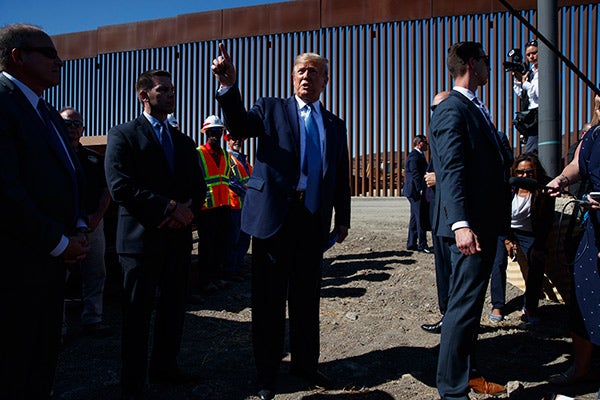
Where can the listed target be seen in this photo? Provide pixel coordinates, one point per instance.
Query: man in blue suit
(301, 174)
(153, 174)
(414, 190)
(472, 208)
(43, 220)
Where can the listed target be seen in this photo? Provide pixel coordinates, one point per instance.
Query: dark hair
(459, 55)
(531, 43)
(540, 173)
(16, 36)
(419, 139)
(146, 81)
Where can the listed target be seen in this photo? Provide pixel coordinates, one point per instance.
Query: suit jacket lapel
(292, 115)
(329, 138)
(146, 129)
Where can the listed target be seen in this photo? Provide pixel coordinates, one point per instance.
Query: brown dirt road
(375, 296)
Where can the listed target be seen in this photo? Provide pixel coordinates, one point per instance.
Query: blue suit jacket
(470, 170)
(414, 175)
(37, 193)
(272, 186)
(141, 183)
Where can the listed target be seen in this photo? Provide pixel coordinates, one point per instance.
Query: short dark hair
(16, 36)
(145, 80)
(459, 55)
(418, 140)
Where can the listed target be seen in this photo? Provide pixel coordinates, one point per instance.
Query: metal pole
(549, 145)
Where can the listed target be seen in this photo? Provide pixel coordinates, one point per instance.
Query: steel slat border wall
(383, 77)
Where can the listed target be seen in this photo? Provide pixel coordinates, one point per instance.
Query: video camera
(516, 63)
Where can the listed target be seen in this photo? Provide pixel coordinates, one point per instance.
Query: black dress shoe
(411, 248)
(425, 250)
(433, 328)
(316, 378)
(172, 376)
(266, 394)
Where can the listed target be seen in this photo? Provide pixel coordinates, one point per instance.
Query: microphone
(525, 183)
(530, 184)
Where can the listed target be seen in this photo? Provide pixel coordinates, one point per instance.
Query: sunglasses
(69, 122)
(433, 107)
(48, 52)
(532, 43)
(520, 172)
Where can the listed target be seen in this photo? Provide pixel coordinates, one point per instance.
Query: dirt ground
(375, 296)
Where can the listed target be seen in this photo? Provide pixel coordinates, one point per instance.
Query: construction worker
(239, 242)
(214, 220)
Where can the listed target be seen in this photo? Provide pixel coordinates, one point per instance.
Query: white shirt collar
(465, 92)
(316, 105)
(31, 96)
(153, 121)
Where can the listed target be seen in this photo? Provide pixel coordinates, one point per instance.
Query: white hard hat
(212, 122)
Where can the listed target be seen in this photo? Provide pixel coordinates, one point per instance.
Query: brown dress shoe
(480, 385)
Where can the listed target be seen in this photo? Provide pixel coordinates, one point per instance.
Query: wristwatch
(171, 206)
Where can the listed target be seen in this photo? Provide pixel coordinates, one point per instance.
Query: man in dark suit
(40, 198)
(472, 208)
(154, 175)
(414, 190)
(300, 175)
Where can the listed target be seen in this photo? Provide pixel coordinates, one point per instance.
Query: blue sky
(65, 16)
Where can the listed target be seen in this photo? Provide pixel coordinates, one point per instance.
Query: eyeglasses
(48, 52)
(69, 122)
(531, 43)
(214, 131)
(520, 172)
(433, 107)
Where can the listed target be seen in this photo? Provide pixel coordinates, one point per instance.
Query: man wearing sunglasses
(42, 216)
(471, 211)
(97, 200)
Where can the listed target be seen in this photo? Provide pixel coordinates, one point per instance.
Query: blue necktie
(54, 140)
(59, 148)
(312, 165)
(165, 142)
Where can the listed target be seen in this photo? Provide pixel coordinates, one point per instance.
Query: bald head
(438, 98)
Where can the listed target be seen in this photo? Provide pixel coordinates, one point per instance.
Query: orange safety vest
(238, 170)
(216, 178)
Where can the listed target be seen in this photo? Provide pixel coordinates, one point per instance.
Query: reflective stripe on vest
(216, 178)
(238, 170)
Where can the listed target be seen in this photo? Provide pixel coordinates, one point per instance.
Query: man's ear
(16, 55)
(143, 96)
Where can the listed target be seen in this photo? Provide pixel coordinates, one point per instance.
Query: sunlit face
(236, 145)
(525, 170)
(160, 99)
(74, 123)
(531, 54)
(310, 80)
(38, 63)
(481, 68)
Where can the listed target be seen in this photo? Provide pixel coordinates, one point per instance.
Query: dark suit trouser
(443, 269)
(417, 234)
(287, 266)
(31, 317)
(468, 284)
(213, 240)
(146, 278)
(498, 281)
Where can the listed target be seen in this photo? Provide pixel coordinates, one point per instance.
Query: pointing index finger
(223, 51)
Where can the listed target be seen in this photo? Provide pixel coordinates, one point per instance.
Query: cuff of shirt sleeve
(62, 246)
(459, 224)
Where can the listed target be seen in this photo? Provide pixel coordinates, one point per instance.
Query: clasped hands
(77, 248)
(181, 217)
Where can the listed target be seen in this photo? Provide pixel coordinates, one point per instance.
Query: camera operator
(525, 85)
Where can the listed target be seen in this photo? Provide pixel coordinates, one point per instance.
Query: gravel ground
(375, 296)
